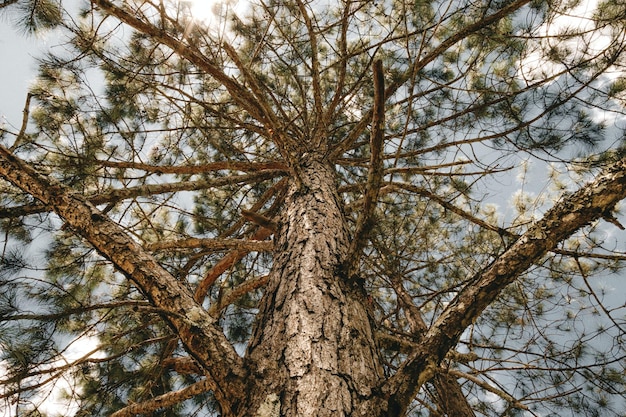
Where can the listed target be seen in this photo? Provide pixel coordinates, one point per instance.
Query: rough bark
(313, 347)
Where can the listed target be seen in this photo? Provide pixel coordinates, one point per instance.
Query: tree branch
(450, 397)
(449, 206)
(230, 296)
(423, 62)
(147, 190)
(196, 169)
(376, 169)
(238, 92)
(214, 244)
(487, 387)
(590, 203)
(197, 330)
(25, 116)
(315, 76)
(7, 3)
(225, 263)
(165, 400)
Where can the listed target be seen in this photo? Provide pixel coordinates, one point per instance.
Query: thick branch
(230, 296)
(197, 330)
(224, 264)
(182, 365)
(592, 202)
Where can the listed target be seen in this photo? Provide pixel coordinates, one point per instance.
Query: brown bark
(313, 348)
(450, 398)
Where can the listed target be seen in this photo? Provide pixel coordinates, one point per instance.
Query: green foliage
(138, 127)
(32, 16)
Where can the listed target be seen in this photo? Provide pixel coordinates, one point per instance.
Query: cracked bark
(313, 347)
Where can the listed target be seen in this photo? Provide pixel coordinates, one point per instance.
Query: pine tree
(288, 210)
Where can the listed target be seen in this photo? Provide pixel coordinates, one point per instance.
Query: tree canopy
(316, 208)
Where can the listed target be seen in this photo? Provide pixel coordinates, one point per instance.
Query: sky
(17, 72)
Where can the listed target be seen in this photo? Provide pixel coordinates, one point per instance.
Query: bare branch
(213, 244)
(238, 92)
(196, 169)
(224, 264)
(315, 73)
(259, 219)
(423, 62)
(449, 206)
(146, 190)
(515, 403)
(26, 114)
(237, 292)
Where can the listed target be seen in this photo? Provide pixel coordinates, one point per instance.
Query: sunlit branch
(212, 244)
(166, 400)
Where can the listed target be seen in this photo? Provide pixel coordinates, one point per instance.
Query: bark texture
(313, 347)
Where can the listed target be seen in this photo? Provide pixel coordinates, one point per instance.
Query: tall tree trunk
(313, 349)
